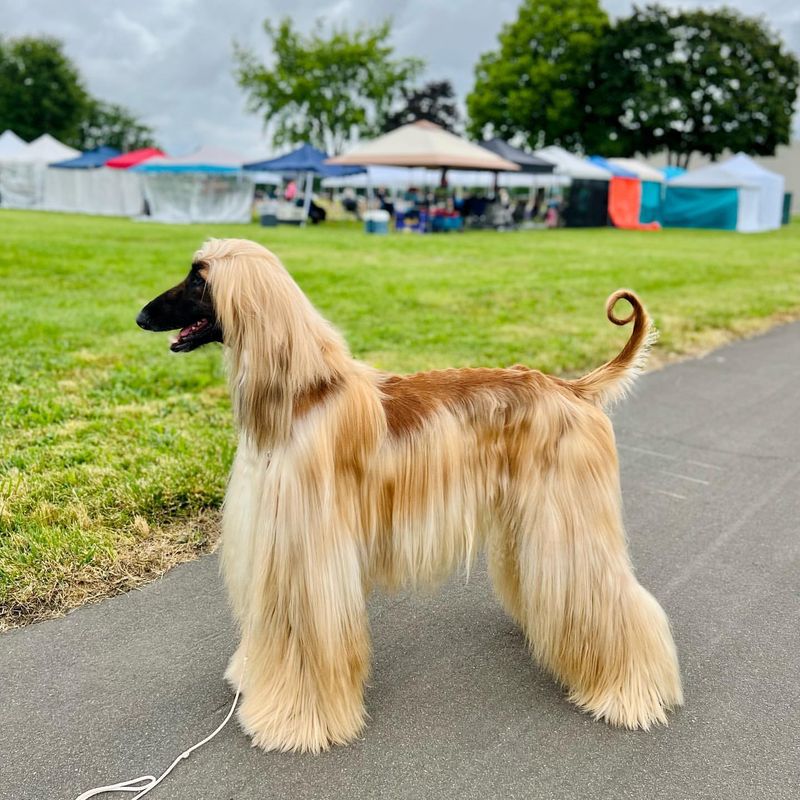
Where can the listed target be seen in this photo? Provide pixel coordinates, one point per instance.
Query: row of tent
(210, 184)
(736, 194)
(216, 185)
(206, 186)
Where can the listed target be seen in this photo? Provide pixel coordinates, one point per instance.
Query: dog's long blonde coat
(346, 477)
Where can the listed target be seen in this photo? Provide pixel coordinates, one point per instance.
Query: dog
(347, 478)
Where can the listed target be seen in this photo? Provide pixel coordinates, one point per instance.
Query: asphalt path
(710, 453)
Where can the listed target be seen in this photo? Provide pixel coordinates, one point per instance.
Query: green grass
(107, 440)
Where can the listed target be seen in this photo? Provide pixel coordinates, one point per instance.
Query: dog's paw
(638, 705)
(303, 732)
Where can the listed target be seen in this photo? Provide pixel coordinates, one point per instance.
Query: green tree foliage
(40, 90)
(113, 126)
(435, 101)
(694, 82)
(535, 85)
(322, 89)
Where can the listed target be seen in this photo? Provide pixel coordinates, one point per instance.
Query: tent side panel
(21, 184)
(587, 204)
(198, 197)
(691, 207)
(748, 220)
(652, 200)
(624, 204)
(107, 192)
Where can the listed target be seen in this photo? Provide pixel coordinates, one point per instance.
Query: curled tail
(609, 383)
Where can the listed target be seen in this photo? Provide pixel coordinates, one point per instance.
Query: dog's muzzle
(143, 320)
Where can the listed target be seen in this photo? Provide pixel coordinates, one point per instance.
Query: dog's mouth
(194, 335)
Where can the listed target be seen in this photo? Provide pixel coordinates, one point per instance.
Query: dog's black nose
(143, 320)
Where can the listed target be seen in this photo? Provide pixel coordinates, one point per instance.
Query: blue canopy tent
(306, 160)
(91, 159)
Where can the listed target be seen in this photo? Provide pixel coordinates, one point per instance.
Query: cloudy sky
(170, 60)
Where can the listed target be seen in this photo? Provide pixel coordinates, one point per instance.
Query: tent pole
(307, 196)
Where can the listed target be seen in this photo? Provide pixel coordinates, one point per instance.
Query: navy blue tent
(91, 159)
(304, 159)
(527, 162)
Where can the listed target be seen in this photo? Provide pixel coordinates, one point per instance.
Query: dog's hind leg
(587, 618)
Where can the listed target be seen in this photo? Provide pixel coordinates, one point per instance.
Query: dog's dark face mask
(189, 307)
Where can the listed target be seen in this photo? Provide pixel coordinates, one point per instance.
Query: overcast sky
(170, 60)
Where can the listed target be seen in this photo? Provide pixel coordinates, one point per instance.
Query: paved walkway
(711, 474)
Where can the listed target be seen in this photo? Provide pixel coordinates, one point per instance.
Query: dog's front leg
(306, 640)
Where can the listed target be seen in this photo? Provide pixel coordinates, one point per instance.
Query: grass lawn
(114, 452)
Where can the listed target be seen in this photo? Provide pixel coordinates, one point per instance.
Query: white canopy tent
(771, 187)
(10, 144)
(103, 191)
(572, 166)
(207, 185)
(759, 191)
(22, 172)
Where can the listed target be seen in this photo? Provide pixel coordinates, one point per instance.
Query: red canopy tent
(127, 160)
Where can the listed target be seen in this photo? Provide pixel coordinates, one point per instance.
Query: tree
(40, 90)
(535, 85)
(113, 126)
(324, 89)
(434, 101)
(694, 82)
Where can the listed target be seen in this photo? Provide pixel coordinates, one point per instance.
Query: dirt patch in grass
(145, 559)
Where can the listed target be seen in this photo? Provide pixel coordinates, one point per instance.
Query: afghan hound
(347, 478)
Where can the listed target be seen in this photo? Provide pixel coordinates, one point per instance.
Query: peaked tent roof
(713, 176)
(91, 159)
(744, 165)
(127, 160)
(44, 150)
(10, 143)
(305, 159)
(204, 159)
(571, 165)
(526, 161)
(642, 171)
(423, 144)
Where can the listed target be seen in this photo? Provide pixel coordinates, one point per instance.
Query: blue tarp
(304, 159)
(617, 172)
(692, 207)
(651, 207)
(198, 167)
(91, 159)
(672, 172)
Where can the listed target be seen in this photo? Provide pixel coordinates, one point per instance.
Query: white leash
(146, 783)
